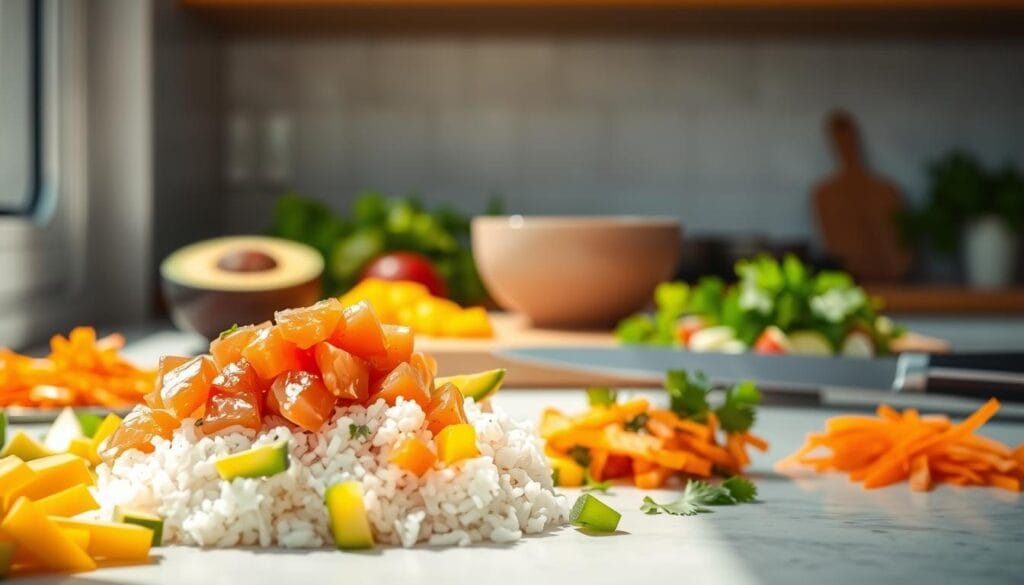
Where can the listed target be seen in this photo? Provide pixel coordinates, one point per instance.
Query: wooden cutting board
(458, 356)
(856, 211)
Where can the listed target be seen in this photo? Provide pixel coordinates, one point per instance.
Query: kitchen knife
(975, 375)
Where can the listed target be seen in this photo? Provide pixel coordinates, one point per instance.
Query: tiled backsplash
(726, 134)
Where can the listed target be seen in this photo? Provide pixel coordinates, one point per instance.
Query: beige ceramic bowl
(574, 271)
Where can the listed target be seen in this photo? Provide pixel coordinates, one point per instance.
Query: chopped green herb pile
(358, 431)
(785, 294)
(698, 495)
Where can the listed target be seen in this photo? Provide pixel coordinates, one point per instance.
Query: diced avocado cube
(349, 524)
(257, 462)
(3, 428)
(478, 386)
(89, 421)
(144, 519)
(590, 512)
(24, 447)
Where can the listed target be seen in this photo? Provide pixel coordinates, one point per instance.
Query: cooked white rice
(499, 496)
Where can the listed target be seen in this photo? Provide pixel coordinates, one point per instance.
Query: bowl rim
(519, 221)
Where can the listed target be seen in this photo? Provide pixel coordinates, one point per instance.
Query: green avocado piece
(257, 462)
(349, 524)
(478, 386)
(3, 428)
(146, 520)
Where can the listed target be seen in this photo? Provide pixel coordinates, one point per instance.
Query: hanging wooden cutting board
(856, 211)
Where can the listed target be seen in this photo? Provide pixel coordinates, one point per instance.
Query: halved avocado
(211, 285)
(478, 386)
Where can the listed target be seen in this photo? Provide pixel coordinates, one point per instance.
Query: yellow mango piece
(69, 502)
(112, 540)
(24, 446)
(40, 536)
(106, 428)
(471, 322)
(53, 474)
(26, 560)
(14, 474)
(83, 447)
(457, 442)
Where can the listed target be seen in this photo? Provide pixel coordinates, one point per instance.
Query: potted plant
(973, 211)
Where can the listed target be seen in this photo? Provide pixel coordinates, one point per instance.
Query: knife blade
(999, 375)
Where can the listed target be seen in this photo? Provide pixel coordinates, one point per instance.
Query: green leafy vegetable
(688, 396)
(737, 413)
(234, 327)
(741, 489)
(378, 224)
(698, 495)
(358, 431)
(89, 422)
(637, 423)
(786, 294)
(601, 396)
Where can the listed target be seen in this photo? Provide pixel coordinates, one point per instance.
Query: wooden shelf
(949, 299)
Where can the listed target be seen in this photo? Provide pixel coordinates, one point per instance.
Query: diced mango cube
(83, 447)
(566, 472)
(41, 537)
(24, 446)
(413, 455)
(70, 502)
(106, 428)
(14, 474)
(457, 442)
(112, 540)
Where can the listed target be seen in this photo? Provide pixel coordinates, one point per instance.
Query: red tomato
(406, 266)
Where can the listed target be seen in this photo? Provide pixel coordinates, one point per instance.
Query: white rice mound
(504, 493)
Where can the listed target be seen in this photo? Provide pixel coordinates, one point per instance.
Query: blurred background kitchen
(130, 128)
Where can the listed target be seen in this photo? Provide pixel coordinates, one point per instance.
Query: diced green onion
(590, 512)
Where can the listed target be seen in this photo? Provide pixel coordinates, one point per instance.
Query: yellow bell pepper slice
(53, 474)
(457, 442)
(112, 540)
(41, 537)
(70, 502)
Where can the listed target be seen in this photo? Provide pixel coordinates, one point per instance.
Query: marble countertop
(811, 529)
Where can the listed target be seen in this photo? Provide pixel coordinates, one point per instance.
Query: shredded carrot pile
(79, 371)
(662, 446)
(924, 450)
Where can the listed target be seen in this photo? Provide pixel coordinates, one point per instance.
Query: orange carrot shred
(924, 450)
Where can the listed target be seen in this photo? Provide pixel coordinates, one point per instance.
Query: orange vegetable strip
(920, 474)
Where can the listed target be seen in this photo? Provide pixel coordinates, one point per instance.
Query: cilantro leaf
(358, 431)
(234, 327)
(678, 507)
(601, 396)
(737, 414)
(698, 495)
(741, 489)
(592, 485)
(688, 397)
(637, 423)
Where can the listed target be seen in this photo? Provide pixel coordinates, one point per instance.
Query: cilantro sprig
(699, 495)
(358, 431)
(688, 398)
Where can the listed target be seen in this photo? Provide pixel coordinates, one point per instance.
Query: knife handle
(997, 362)
(981, 384)
(977, 375)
